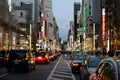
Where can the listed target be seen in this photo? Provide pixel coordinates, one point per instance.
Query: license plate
(16, 62)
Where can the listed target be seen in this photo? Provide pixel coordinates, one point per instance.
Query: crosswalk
(61, 71)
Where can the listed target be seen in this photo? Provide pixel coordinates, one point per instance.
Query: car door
(105, 71)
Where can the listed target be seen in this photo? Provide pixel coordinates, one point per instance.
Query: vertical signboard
(103, 27)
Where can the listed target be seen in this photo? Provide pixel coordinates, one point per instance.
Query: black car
(91, 63)
(20, 59)
(2, 60)
(77, 61)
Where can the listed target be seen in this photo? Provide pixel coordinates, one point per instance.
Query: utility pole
(30, 35)
(93, 36)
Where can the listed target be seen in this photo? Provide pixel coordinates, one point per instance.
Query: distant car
(42, 57)
(76, 62)
(74, 53)
(91, 63)
(20, 59)
(108, 69)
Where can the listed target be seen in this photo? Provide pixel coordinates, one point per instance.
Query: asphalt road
(58, 69)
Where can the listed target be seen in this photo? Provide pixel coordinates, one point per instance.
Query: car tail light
(27, 57)
(39, 57)
(74, 64)
(7, 57)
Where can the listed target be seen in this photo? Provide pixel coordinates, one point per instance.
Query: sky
(63, 10)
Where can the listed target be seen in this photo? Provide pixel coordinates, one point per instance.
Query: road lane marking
(56, 79)
(60, 75)
(70, 69)
(3, 75)
(50, 76)
(60, 71)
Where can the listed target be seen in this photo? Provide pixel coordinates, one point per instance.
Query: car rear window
(40, 54)
(94, 62)
(79, 57)
(17, 54)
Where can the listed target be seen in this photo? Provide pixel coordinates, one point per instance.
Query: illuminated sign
(103, 25)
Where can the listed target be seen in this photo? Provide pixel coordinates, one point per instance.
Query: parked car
(91, 63)
(20, 59)
(76, 62)
(2, 60)
(42, 57)
(108, 69)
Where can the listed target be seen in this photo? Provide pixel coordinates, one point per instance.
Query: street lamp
(93, 36)
(30, 35)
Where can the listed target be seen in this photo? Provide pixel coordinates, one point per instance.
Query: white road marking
(60, 75)
(50, 76)
(56, 79)
(70, 69)
(62, 72)
(3, 75)
(57, 72)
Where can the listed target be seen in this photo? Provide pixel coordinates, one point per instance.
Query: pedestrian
(104, 52)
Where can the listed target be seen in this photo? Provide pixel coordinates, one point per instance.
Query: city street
(58, 69)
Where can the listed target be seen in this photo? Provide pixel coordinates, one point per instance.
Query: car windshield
(18, 54)
(94, 62)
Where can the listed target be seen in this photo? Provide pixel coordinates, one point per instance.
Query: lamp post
(30, 35)
(93, 36)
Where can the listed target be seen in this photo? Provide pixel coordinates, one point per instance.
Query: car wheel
(33, 67)
(28, 68)
(9, 69)
(72, 71)
(81, 76)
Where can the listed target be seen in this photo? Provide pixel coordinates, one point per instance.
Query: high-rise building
(76, 26)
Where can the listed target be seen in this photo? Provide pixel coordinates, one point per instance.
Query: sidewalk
(3, 70)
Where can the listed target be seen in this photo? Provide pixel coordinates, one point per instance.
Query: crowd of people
(105, 53)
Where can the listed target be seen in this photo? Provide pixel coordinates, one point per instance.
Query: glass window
(18, 54)
(94, 62)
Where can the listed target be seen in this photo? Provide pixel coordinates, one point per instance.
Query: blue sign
(103, 37)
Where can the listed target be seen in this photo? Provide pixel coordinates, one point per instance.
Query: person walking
(104, 52)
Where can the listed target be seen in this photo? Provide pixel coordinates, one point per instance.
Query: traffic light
(84, 28)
